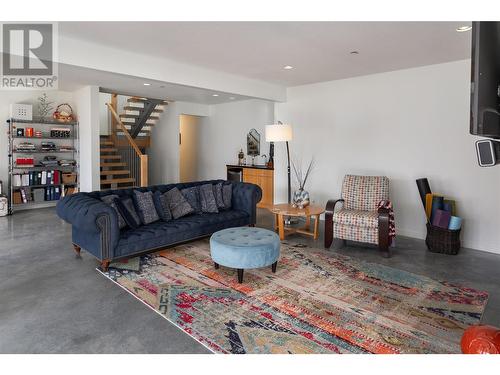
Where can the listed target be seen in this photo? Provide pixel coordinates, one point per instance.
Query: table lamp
(281, 133)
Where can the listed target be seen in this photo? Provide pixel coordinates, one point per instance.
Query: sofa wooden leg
(216, 265)
(77, 250)
(105, 265)
(251, 225)
(274, 266)
(240, 275)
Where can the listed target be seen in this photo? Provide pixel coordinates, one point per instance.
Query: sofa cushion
(207, 197)
(127, 210)
(177, 204)
(356, 218)
(161, 233)
(110, 199)
(145, 207)
(218, 196)
(364, 192)
(192, 195)
(227, 195)
(161, 204)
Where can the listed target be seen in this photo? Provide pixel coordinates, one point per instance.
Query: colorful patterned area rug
(316, 302)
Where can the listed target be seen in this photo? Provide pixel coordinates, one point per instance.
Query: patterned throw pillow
(192, 195)
(177, 204)
(127, 209)
(218, 195)
(161, 205)
(110, 200)
(207, 197)
(146, 206)
(227, 195)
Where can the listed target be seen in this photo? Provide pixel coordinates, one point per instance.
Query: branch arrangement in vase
(301, 197)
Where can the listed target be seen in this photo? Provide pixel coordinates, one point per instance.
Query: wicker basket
(440, 240)
(69, 178)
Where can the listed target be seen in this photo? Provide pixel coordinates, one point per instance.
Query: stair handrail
(124, 130)
(143, 157)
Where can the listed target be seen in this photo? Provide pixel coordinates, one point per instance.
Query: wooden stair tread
(143, 100)
(110, 157)
(114, 172)
(133, 123)
(108, 149)
(117, 181)
(132, 108)
(107, 143)
(117, 164)
(126, 115)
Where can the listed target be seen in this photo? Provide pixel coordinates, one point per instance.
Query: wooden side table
(280, 211)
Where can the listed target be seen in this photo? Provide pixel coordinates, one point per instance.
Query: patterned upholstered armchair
(360, 218)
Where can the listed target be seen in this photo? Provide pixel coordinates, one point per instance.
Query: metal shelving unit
(70, 148)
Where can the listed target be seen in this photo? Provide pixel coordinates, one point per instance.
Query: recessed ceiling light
(231, 98)
(147, 84)
(354, 52)
(162, 86)
(288, 67)
(462, 29)
(215, 94)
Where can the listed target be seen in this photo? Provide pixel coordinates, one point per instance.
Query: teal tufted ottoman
(244, 248)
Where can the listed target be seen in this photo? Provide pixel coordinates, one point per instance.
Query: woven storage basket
(440, 240)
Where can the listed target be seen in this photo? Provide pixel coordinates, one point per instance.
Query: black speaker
(488, 152)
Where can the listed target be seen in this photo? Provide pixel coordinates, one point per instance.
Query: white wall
(8, 97)
(87, 107)
(164, 150)
(404, 124)
(104, 114)
(224, 133)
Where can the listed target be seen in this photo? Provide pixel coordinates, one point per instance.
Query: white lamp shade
(279, 133)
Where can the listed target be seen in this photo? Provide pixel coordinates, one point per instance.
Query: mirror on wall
(253, 143)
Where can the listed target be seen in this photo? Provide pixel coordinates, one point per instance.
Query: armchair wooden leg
(77, 250)
(328, 229)
(105, 265)
(383, 234)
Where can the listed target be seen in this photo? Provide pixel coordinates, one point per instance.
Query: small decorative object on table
(301, 197)
(241, 156)
(64, 113)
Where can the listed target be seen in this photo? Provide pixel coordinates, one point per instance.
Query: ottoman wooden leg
(216, 265)
(273, 267)
(240, 275)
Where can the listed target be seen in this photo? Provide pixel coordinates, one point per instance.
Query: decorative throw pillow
(177, 204)
(146, 206)
(161, 205)
(110, 200)
(218, 195)
(192, 195)
(227, 195)
(127, 209)
(207, 198)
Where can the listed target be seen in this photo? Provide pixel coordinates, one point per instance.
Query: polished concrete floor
(52, 302)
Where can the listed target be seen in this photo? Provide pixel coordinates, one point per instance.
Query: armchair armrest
(95, 224)
(329, 210)
(383, 231)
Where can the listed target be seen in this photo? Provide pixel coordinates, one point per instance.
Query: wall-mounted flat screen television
(485, 80)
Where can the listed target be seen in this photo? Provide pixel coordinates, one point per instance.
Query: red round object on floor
(481, 339)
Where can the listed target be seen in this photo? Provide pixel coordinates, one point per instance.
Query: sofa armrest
(95, 223)
(329, 210)
(245, 197)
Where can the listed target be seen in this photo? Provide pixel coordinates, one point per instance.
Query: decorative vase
(300, 198)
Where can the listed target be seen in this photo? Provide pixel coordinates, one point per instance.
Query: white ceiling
(318, 51)
(73, 77)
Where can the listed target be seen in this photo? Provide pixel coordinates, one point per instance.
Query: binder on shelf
(16, 181)
(44, 178)
(57, 193)
(39, 178)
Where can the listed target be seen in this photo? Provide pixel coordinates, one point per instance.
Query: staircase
(114, 172)
(123, 152)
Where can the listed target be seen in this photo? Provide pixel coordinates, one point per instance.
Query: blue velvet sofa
(95, 223)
